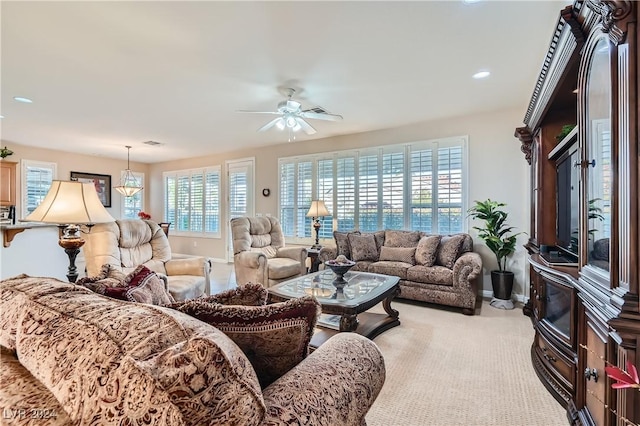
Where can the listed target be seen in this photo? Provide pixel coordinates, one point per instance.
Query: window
(417, 186)
(192, 201)
(36, 180)
(131, 206)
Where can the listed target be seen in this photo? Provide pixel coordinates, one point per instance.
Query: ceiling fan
(293, 118)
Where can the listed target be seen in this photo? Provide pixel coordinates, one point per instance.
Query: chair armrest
(334, 385)
(466, 269)
(250, 259)
(295, 253)
(188, 266)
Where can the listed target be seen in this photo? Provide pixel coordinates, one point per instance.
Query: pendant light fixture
(129, 185)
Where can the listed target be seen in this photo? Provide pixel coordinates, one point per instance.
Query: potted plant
(498, 236)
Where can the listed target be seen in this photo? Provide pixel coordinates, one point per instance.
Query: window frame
(203, 171)
(24, 166)
(404, 161)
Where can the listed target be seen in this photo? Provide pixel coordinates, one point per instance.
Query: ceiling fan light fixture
(291, 121)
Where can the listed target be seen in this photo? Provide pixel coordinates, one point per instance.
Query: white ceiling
(103, 75)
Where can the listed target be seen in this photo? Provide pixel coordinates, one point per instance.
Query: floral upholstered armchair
(259, 252)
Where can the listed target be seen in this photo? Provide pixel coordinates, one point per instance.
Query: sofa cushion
(386, 267)
(394, 238)
(249, 294)
(398, 254)
(283, 267)
(449, 250)
(342, 243)
(363, 247)
(274, 337)
(109, 281)
(430, 275)
(427, 250)
(149, 364)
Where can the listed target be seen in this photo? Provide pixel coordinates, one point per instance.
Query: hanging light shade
(129, 185)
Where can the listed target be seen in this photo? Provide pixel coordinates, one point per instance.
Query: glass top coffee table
(345, 309)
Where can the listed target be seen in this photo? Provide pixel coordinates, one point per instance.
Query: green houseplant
(500, 239)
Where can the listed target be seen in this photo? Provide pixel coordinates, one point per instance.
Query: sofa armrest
(335, 385)
(327, 253)
(466, 270)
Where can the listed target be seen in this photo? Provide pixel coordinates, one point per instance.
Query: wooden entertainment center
(584, 246)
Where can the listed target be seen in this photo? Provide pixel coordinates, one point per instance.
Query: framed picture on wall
(102, 184)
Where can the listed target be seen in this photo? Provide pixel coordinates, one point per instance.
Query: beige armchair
(259, 252)
(128, 243)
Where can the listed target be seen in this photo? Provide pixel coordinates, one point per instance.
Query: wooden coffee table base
(368, 324)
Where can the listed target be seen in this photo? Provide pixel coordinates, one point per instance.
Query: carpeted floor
(445, 368)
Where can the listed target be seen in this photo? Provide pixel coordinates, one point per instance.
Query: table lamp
(316, 211)
(70, 204)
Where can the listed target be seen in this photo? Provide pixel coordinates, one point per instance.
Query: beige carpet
(445, 368)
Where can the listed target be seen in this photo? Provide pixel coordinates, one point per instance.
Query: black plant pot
(502, 283)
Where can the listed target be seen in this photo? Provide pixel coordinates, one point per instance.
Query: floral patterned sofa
(71, 356)
(441, 269)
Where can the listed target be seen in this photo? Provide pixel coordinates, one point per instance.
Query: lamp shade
(318, 209)
(69, 202)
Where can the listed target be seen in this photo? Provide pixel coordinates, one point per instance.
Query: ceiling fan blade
(306, 127)
(269, 124)
(258, 112)
(319, 116)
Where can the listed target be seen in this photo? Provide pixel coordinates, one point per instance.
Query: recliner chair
(260, 255)
(128, 243)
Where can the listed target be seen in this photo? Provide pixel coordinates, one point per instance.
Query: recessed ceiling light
(21, 99)
(471, 1)
(1, 116)
(481, 74)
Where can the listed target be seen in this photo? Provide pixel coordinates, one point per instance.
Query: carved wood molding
(611, 12)
(570, 16)
(526, 139)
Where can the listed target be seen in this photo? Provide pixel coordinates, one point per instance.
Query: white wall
(498, 171)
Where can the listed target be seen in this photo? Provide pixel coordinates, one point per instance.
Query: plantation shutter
(36, 181)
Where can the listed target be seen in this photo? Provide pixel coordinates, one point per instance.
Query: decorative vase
(339, 269)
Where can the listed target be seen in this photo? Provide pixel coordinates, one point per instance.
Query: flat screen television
(567, 196)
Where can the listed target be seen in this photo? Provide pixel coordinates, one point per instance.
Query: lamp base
(71, 246)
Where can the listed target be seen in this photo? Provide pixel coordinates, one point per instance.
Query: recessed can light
(1, 116)
(481, 74)
(22, 99)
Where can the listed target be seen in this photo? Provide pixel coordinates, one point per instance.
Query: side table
(315, 262)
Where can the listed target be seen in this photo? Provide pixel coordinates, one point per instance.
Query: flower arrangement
(143, 215)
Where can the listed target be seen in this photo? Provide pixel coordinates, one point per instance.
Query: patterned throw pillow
(109, 282)
(145, 286)
(393, 238)
(363, 247)
(398, 254)
(274, 337)
(427, 249)
(342, 243)
(449, 250)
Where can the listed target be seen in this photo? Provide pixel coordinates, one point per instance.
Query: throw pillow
(249, 294)
(394, 238)
(449, 250)
(145, 286)
(342, 243)
(275, 337)
(398, 254)
(363, 247)
(427, 249)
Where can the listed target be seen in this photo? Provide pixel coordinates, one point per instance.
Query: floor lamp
(316, 211)
(70, 204)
